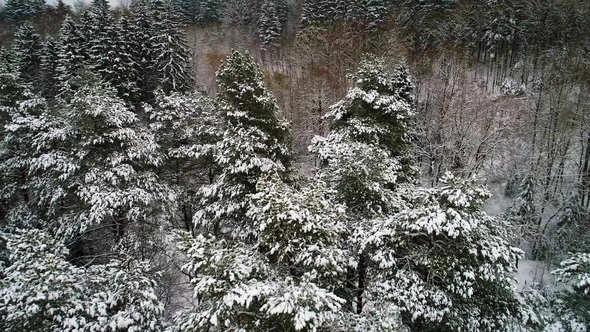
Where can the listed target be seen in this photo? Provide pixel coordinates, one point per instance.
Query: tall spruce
(28, 47)
(49, 72)
(171, 53)
(269, 26)
(72, 54)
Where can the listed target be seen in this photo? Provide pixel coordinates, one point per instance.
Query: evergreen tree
(416, 264)
(367, 153)
(22, 115)
(22, 9)
(255, 142)
(94, 165)
(42, 291)
(269, 26)
(284, 277)
(209, 11)
(318, 12)
(49, 72)
(276, 246)
(442, 262)
(12, 94)
(141, 46)
(171, 54)
(187, 127)
(71, 56)
(29, 48)
(574, 272)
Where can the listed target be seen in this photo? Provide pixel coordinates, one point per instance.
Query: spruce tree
(22, 113)
(208, 11)
(71, 55)
(269, 26)
(170, 51)
(139, 38)
(29, 49)
(94, 164)
(49, 72)
(20, 10)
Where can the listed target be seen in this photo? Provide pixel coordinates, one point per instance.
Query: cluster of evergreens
(336, 193)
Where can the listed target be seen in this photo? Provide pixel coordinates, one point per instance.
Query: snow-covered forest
(285, 165)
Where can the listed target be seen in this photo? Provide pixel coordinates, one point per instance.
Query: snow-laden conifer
(171, 53)
(187, 127)
(28, 47)
(287, 276)
(95, 163)
(254, 142)
(41, 291)
(442, 262)
(269, 26)
(49, 86)
(72, 54)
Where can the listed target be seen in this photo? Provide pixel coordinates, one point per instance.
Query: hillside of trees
(284, 165)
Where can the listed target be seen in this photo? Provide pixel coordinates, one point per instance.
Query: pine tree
(255, 141)
(365, 155)
(284, 278)
(416, 265)
(442, 262)
(186, 127)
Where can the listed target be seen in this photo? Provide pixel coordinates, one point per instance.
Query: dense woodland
(283, 165)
